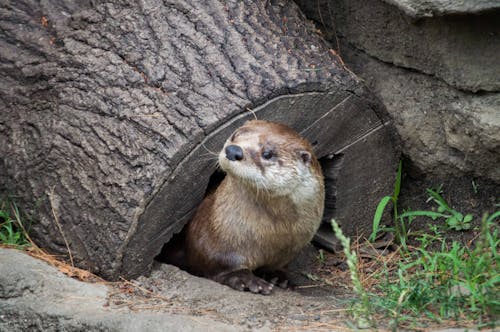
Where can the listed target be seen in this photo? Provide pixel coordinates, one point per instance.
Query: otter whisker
(208, 150)
(211, 161)
(208, 156)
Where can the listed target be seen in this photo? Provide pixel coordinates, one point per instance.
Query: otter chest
(279, 242)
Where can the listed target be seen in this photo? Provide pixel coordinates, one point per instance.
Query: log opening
(341, 130)
(331, 166)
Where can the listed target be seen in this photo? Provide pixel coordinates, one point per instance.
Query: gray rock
(460, 330)
(439, 78)
(444, 131)
(418, 8)
(34, 296)
(461, 50)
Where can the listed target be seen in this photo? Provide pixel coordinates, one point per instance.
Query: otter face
(269, 156)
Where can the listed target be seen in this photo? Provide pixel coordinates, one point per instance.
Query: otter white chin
(267, 208)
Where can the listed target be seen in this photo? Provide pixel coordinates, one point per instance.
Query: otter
(266, 209)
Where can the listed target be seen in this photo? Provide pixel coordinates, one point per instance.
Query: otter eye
(267, 154)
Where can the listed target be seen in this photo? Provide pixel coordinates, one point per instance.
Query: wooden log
(110, 113)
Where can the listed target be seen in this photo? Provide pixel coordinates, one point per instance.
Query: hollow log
(111, 113)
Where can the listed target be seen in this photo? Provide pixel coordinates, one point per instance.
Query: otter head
(270, 157)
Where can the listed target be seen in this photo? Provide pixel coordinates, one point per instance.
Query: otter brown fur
(267, 208)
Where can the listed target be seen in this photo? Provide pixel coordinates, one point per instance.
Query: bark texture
(110, 111)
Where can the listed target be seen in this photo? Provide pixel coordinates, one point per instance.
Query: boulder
(437, 72)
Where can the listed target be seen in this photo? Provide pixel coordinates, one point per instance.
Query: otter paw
(245, 280)
(278, 278)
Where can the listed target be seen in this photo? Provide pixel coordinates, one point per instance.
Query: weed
(399, 229)
(454, 282)
(440, 279)
(361, 310)
(321, 256)
(454, 220)
(12, 231)
(475, 187)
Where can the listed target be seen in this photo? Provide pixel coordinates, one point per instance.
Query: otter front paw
(245, 280)
(278, 278)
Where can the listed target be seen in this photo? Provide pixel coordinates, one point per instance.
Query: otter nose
(234, 152)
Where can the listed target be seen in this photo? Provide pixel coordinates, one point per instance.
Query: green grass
(453, 282)
(454, 220)
(12, 231)
(437, 280)
(398, 229)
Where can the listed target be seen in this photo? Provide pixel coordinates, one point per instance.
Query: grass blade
(378, 216)
(430, 214)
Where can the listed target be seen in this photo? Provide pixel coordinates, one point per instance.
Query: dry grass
(56, 261)
(64, 267)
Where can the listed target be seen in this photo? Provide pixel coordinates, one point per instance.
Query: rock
(437, 76)
(34, 296)
(461, 50)
(417, 8)
(444, 131)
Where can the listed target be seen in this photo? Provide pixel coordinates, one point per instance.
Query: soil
(319, 301)
(466, 195)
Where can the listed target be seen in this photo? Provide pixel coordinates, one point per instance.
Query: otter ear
(305, 156)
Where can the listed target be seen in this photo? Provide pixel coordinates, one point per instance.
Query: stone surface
(461, 50)
(439, 78)
(34, 296)
(418, 8)
(444, 131)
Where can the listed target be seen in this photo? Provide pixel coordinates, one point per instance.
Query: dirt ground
(464, 194)
(316, 304)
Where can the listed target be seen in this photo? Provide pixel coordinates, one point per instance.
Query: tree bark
(110, 113)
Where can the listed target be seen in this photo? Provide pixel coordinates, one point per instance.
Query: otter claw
(245, 280)
(277, 278)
